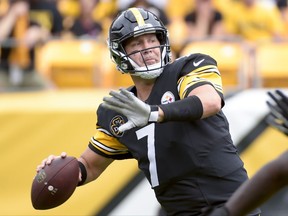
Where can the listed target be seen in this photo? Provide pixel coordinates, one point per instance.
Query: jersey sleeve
(105, 144)
(199, 69)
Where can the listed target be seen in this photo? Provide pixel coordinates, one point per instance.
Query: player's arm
(262, 186)
(201, 102)
(92, 165)
(206, 100)
(273, 176)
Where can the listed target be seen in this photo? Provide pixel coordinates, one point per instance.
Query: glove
(137, 112)
(278, 116)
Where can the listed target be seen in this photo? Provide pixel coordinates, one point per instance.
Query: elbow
(216, 106)
(211, 107)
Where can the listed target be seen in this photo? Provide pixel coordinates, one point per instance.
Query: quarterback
(170, 121)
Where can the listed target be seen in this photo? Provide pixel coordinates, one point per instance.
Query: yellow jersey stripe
(107, 143)
(206, 74)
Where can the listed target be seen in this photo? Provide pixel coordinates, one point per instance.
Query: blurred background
(55, 69)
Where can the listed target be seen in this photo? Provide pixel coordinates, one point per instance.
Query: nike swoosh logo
(196, 64)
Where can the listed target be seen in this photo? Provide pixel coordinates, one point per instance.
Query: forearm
(187, 109)
(94, 165)
(202, 102)
(266, 182)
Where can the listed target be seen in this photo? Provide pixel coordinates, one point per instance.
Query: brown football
(55, 183)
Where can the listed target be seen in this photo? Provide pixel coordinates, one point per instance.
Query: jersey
(168, 151)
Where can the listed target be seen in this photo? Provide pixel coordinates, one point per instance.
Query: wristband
(83, 173)
(187, 109)
(154, 114)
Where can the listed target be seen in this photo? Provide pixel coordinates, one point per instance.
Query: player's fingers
(274, 110)
(50, 159)
(112, 101)
(39, 167)
(127, 126)
(112, 107)
(119, 96)
(116, 102)
(63, 155)
(273, 97)
(42, 165)
(127, 93)
(282, 95)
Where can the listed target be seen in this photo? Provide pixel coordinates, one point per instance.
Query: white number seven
(149, 132)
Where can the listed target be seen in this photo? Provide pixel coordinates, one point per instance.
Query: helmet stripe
(138, 16)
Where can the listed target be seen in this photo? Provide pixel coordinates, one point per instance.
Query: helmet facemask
(147, 71)
(124, 62)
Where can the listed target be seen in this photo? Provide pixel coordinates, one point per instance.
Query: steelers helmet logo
(115, 123)
(167, 98)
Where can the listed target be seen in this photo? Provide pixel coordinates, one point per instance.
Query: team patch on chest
(168, 97)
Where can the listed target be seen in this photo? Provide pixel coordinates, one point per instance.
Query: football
(55, 183)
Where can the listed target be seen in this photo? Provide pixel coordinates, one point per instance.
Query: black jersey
(168, 151)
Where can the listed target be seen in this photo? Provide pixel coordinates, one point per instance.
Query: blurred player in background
(170, 121)
(269, 179)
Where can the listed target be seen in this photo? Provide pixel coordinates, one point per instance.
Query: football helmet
(134, 22)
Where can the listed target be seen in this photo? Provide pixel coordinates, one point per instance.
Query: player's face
(145, 49)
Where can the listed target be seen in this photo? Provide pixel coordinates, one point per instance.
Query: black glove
(278, 116)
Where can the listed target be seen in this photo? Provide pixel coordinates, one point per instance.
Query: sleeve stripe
(104, 131)
(209, 70)
(106, 148)
(206, 74)
(205, 68)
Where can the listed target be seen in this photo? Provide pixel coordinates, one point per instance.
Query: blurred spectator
(151, 7)
(176, 11)
(25, 24)
(124, 4)
(283, 7)
(254, 21)
(46, 14)
(101, 15)
(84, 24)
(204, 21)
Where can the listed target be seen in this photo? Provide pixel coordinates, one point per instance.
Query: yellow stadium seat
(111, 76)
(79, 63)
(271, 64)
(230, 57)
(72, 63)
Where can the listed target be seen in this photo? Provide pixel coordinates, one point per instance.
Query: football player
(170, 120)
(272, 177)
